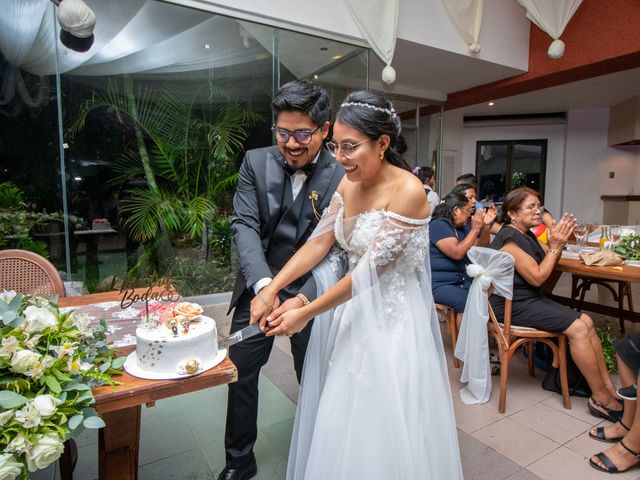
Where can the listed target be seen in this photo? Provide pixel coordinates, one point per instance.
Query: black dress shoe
(239, 473)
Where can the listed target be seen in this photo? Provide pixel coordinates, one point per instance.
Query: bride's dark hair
(372, 114)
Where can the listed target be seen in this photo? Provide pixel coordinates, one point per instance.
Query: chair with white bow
(492, 273)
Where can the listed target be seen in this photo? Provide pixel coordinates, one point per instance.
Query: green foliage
(10, 196)
(15, 228)
(192, 135)
(629, 247)
(196, 277)
(606, 339)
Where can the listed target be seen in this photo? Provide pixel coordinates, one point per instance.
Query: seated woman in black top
(534, 263)
(451, 236)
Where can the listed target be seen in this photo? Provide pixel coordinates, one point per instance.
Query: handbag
(578, 386)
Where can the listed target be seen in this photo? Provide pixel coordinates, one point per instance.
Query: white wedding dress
(375, 401)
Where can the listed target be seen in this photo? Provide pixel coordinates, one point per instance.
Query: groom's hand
(290, 304)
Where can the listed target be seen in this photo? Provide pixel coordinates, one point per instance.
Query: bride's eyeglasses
(348, 149)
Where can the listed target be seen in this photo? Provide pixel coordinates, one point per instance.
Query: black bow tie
(307, 169)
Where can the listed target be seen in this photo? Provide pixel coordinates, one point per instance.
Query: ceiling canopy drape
(552, 16)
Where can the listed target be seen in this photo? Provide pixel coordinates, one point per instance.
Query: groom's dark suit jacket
(268, 226)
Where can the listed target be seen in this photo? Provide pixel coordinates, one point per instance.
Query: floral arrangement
(49, 361)
(629, 247)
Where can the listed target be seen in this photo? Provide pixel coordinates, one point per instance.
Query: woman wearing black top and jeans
(534, 263)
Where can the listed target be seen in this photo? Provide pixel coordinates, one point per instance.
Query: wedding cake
(175, 341)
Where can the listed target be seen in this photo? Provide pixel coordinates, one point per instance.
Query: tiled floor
(182, 437)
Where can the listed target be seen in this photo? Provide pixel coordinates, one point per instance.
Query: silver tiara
(390, 112)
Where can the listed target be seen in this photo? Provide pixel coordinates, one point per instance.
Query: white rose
(46, 405)
(29, 416)
(46, 450)
(8, 347)
(24, 361)
(7, 295)
(5, 417)
(19, 444)
(9, 467)
(38, 318)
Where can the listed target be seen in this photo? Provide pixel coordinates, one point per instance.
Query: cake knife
(240, 335)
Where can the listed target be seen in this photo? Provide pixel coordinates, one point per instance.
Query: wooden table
(622, 273)
(120, 406)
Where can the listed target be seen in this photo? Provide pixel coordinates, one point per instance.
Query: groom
(281, 192)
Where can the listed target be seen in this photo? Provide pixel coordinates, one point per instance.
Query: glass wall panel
(155, 123)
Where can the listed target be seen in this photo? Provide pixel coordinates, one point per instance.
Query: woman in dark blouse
(451, 235)
(534, 263)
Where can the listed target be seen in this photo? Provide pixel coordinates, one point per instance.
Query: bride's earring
(381, 155)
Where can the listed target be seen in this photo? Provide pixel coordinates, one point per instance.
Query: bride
(374, 400)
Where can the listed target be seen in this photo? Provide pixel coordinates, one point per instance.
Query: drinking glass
(614, 232)
(580, 231)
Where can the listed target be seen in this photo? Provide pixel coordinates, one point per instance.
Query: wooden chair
(450, 316)
(510, 338)
(29, 273)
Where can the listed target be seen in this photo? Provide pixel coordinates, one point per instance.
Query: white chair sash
(488, 267)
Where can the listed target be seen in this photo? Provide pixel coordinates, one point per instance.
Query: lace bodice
(397, 244)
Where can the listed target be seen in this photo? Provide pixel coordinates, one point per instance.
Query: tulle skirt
(375, 401)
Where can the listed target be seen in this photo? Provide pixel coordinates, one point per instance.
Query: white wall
(504, 35)
(589, 162)
(580, 146)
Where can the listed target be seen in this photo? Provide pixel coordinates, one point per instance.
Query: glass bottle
(604, 236)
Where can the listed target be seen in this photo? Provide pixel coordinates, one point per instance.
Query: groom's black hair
(302, 96)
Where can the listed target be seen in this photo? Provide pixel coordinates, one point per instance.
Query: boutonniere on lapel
(313, 196)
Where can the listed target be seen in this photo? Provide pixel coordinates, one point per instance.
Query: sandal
(606, 412)
(609, 466)
(601, 437)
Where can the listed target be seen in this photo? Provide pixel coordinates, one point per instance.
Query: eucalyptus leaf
(118, 362)
(75, 421)
(11, 399)
(93, 422)
(52, 383)
(89, 412)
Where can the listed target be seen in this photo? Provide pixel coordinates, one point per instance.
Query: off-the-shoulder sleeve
(401, 241)
(327, 223)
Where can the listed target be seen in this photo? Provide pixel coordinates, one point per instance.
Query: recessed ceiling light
(337, 57)
(491, 104)
(315, 77)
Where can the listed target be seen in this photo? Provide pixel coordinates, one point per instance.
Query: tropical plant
(49, 361)
(10, 196)
(187, 138)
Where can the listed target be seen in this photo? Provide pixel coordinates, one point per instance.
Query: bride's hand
(288, 323)
(262, 305)
(287, 305)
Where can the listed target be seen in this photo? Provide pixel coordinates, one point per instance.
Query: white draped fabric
(377, 20)
(552, 16)
(375, 389)
(488, 267)
(466, 15)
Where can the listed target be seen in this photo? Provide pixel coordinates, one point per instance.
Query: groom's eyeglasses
(303, 136)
